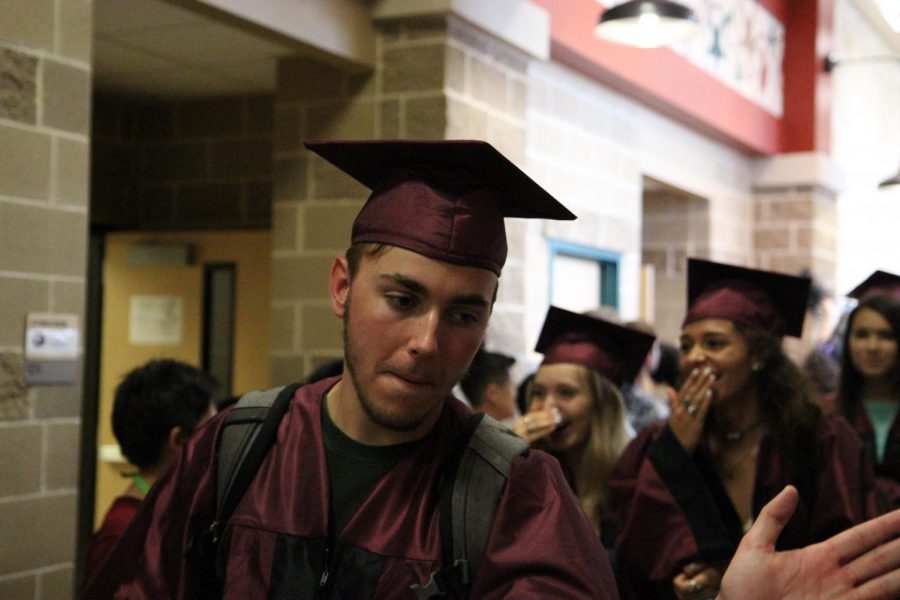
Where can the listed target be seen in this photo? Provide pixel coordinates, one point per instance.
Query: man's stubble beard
(377, 415)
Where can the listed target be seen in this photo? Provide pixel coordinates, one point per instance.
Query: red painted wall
(672, 85)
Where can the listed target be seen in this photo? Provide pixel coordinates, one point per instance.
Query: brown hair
(786, 401)
(606, 439)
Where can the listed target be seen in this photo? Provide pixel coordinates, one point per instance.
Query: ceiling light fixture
(647, 23)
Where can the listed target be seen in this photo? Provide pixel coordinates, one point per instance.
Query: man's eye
(466, 318)
(401, 301)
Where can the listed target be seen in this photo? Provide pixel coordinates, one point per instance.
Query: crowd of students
(746, 483)
(673, 502)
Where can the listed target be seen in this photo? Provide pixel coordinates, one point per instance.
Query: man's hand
(861, 563)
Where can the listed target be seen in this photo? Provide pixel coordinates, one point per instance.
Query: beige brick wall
(675, 227)
(796, 228)
(595, 149)
(314, 203)
(44, 148)
(188, 164)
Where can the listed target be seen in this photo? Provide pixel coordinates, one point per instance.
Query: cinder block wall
(45, 75)
(796, 228)
(183, 164)
(418, 90)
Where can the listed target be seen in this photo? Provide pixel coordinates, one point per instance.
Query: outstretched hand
(862, 563)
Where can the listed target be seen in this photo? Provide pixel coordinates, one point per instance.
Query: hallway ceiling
(155, 48)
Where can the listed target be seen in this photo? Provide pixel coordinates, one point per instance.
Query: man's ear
(177, 437)
(339, 286)
(490, 394)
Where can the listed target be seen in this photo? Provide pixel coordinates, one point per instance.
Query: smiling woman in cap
(577, 412)
(742, 426)
(869, 390)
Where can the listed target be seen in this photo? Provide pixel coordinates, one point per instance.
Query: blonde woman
(576, 411)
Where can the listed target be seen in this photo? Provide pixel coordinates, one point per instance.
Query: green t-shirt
(354, 469)
(881, 414)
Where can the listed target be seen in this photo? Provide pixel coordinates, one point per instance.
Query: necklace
(739, 434)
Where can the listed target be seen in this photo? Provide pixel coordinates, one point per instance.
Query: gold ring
(691, 410)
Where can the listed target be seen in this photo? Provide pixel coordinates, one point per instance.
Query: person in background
(156, 408)
(742, 426)
(869, 392)
(654, 395)
(666, 371)
(641, 408)
(577, 411)
(522, 399)
(811, 351)
(489, 387)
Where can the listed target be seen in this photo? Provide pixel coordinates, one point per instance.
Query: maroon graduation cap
(614, 351)
(771, 302)
(444, 199)
(879, 282)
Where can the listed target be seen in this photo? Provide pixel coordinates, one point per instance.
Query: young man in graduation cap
(345, 504)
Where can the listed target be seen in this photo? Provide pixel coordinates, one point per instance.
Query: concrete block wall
(796, 228)
(314, 203)
(595, 148)
(487, 89)
(675, 226)
(185, 164)
(581, 140)
(45, 74)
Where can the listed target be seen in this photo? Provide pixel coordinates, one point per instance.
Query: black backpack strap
(249, 431)
(478, 467)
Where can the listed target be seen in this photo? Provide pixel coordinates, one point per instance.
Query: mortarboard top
(879, 282)
(614, 351)
(771, 302)
(444, 199)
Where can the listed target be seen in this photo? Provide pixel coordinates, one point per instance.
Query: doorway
(198, 297)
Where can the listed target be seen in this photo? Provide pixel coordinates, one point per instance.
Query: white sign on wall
(52, 348)
(155, 320)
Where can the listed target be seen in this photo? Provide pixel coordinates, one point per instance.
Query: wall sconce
(647, 23)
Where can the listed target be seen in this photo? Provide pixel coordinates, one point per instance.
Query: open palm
(861, 563)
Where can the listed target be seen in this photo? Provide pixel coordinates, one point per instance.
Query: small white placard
(51, 336)
(155, 320)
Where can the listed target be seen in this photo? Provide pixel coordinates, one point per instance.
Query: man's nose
(424, 338)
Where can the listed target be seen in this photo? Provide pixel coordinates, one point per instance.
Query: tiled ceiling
(151, 47)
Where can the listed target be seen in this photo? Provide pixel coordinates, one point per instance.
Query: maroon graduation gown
(888, 470)
(541, 544)
(671, 508)
(116, 521)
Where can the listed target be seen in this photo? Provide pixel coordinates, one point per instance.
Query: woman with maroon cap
(869, 391)
(576, 412)
(742, 426)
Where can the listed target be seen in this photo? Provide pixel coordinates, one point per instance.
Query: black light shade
(890, 182)
(647, 23)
